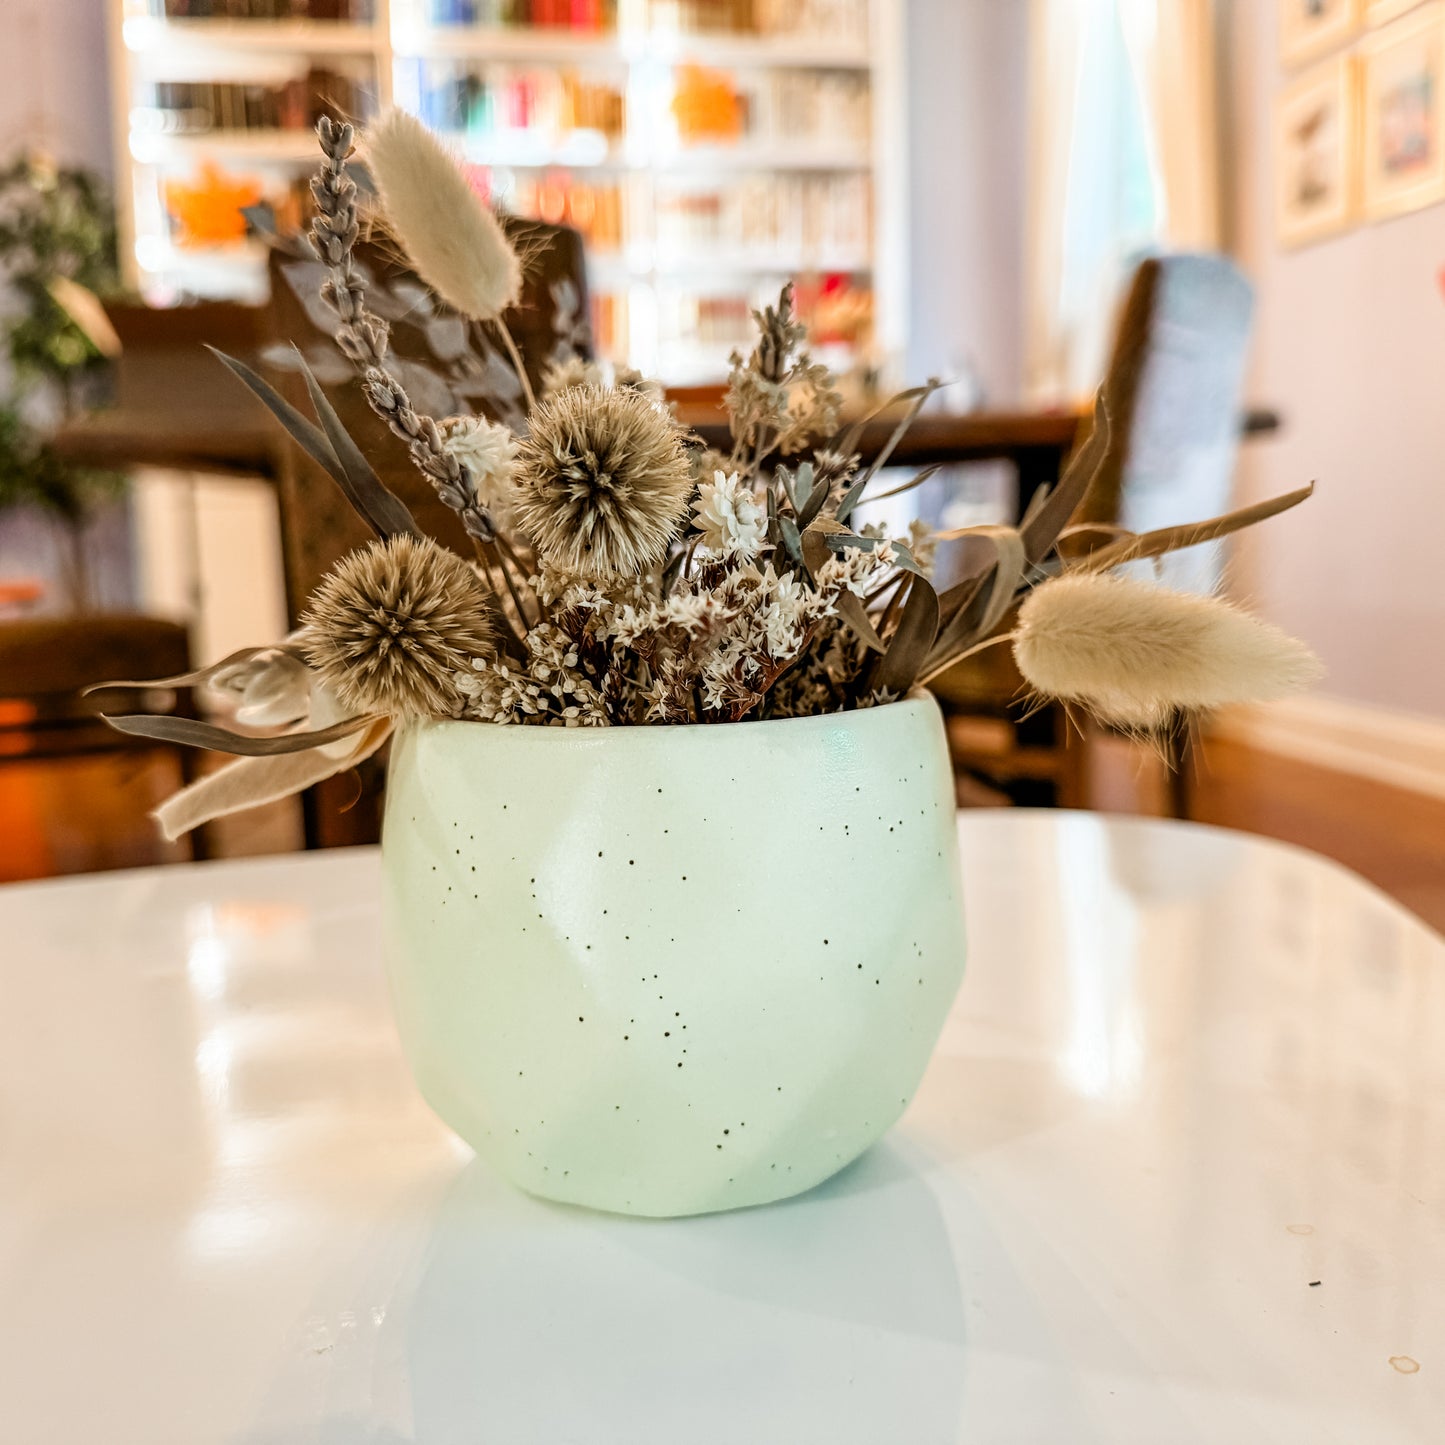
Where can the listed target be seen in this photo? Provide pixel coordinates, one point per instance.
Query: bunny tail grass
(452, 239)
(1138, 656)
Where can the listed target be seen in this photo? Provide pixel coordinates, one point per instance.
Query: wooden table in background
(1036, 442)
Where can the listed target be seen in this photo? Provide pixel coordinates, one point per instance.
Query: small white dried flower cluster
(552, 687)
(732, 521)
(488, 452)
(710, 650)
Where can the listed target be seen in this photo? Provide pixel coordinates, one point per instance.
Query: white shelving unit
(677, 300)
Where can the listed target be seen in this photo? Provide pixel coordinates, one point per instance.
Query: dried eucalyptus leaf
(803, 490)
(1052, 515)
(817, 498)
(1191, 534)
(195, 734)
(855, 614)
(792, 538)
(986, 543)
(898, 669)
(982, 612)
(784, 477)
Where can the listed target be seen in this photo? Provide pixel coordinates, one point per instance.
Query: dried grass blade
(381, 509)
(847, 444)
(1191, 534)
(305, 433)
(1041, 530)
(195, 734)
(854, 493)
(914, 481)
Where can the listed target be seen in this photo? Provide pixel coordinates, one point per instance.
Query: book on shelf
(197, 107)
(593, 15)
(356, 12)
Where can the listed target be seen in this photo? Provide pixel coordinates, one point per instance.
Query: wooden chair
(1173, 382)
(450, 367)
(47, 662)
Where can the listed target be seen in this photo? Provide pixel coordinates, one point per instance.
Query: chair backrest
(1175, 380)
(47, 662)
(449, 366)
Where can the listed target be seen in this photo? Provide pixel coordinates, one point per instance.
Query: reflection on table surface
(1190, 1074)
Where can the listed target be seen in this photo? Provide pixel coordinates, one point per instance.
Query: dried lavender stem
(365, 337)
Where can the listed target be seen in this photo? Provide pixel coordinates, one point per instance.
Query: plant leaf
(980, 614)
(851, 497)
(304, 432)
(792, 538)
(1190, 534)
(915, 481)
(190, 679)
(897, 670)
(195, 734)
(847, 444)
(1052, 515)
(381, 509)
(853, 612)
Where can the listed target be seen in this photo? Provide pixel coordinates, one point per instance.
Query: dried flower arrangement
(623, 574)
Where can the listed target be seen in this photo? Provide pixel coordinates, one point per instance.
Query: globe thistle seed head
(604, 482)
(393, 623)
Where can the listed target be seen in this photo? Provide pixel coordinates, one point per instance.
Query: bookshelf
(707, 149)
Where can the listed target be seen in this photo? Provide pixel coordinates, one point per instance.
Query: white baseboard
(1399, 749)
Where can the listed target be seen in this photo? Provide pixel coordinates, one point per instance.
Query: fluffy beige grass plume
(452, 239)
(1137, 655)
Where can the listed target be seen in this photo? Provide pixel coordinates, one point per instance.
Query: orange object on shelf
(706, 105)
(209, 211)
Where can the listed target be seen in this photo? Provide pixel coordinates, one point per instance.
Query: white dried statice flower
(786, 611)
(603, 482)
(732, 521)
(488, 452)
(855, 568)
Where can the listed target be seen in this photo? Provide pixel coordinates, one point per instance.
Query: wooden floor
(89, 815)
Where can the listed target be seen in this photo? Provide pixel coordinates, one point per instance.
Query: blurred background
(1235, 203)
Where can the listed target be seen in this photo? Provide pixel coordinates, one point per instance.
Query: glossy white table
(1189, 1074)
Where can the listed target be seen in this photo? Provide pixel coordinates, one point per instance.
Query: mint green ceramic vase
(668, 970)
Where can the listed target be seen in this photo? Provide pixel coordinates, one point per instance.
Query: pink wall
(1350, 347)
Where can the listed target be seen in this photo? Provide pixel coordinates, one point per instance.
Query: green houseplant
(57, 243)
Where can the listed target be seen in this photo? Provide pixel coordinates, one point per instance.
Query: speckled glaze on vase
(669, 970)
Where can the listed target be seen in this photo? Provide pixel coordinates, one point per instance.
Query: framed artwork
(1315, 153)
(1381, 12)
(1402, 102)
(1308, 28)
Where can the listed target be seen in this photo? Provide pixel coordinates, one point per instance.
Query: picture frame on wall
(1315, 154)
(1402, 114)
(1311, 28)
